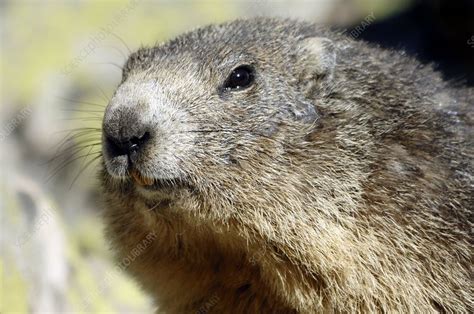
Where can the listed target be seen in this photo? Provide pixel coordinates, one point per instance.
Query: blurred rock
(34, 246)
(49, 268)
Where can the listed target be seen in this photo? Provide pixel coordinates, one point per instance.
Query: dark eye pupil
(240, 77)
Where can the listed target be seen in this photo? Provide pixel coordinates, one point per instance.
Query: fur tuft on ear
(319, 54)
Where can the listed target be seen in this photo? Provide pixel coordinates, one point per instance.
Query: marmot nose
(125, 145)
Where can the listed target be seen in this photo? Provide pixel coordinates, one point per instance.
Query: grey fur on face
(183, 105)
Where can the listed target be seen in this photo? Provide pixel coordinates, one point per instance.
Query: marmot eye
(240, 78)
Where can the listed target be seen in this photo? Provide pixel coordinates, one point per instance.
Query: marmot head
(305, 156)
(224, 109)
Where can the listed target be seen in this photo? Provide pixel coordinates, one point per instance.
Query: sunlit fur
(341, 181)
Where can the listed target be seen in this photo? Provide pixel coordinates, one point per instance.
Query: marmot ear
(319, 57)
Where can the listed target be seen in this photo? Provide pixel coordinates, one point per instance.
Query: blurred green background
(60, 61)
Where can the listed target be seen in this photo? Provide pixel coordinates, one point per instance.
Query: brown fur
(360, 201)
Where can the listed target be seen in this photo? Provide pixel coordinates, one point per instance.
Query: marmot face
(287, 168)
(188, 117)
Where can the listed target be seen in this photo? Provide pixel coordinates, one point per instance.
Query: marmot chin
(282, 167)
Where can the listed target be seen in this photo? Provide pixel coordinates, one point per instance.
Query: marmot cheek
(305, 112)
(269, 128)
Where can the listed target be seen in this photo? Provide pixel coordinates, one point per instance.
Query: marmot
(276, 166)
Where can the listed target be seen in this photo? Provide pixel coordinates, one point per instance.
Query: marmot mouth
(157, 184)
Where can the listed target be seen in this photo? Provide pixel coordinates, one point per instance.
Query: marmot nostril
(114, 147)
(137, 141)
(124, 146)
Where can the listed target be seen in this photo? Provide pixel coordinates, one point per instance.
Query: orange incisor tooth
(139, 179)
